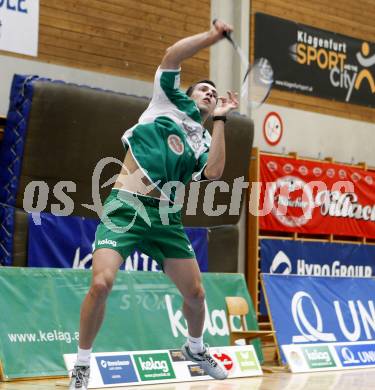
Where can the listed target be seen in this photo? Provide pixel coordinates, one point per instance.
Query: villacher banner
(316, 197)
(317, 62)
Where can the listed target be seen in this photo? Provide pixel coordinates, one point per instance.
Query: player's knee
(100, 288)
(196, 294)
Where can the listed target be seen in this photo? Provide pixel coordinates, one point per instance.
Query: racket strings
(259, 82)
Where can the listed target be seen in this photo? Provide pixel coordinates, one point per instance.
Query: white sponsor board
(329, 356)
(19, 26)
(114, 369)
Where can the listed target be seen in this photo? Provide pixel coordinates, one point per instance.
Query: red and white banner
(315, 197)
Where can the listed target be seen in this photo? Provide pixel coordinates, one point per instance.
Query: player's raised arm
(187, 47)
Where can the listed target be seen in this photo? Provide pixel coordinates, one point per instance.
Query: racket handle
(225, 33)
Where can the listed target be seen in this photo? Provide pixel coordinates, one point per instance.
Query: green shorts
(131, 221)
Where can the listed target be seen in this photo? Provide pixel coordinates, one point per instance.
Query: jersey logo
(194, 135)
(175, 144)
(176, 84)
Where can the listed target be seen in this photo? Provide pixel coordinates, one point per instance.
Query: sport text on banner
(317, 62)
(143, 313)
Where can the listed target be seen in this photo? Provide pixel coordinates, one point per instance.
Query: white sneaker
(80, 378)
(205, 361)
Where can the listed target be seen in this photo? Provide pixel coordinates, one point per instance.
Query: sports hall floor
(349, 380)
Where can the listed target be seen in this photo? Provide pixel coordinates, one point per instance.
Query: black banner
(317, 62)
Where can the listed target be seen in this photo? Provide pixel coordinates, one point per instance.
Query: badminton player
(168, 144)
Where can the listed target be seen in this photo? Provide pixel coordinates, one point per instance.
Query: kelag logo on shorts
(154, 366)
(318, 357)
(247, 361)
(116, 369)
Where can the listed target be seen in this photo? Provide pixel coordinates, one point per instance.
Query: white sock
(195, 344)
(83, 357)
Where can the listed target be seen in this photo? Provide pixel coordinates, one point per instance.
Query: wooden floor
(349, 380)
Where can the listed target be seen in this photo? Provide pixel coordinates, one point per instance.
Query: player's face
(205, 97)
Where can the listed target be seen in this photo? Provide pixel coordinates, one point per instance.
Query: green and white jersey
(169, 142)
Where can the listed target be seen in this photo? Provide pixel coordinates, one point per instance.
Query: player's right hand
(219, 28)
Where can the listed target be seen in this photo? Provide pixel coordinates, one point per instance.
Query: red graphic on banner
(225, 359)
(317, 198)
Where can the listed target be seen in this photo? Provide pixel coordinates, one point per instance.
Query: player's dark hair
(190, 90)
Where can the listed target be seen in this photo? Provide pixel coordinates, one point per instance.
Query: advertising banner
(315, 197)
(317, 62)
(313, 309)
(332, 356)
(19, 26)
(315, 259)
(164, 366)
(47, 249)
(40, 316)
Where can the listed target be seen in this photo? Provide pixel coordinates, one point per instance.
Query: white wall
(319, 136)
(11, 65)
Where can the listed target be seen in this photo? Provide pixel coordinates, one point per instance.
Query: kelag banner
(46, 248)
(313, 309)
(315, 197)
(115, 369)
(317, 62)
(40, 316)
(315, 258)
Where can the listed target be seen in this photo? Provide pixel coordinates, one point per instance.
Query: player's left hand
(226, 104)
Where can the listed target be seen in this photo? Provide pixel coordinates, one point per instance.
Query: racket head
(257, 83)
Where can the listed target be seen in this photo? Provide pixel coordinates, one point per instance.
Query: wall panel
(120, 37)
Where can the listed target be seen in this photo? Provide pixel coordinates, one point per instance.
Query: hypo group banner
(40, 316)
(315, 259)
(317, 62)
(67, 242)
(315, 197)
(313, 309)
(19, 26)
